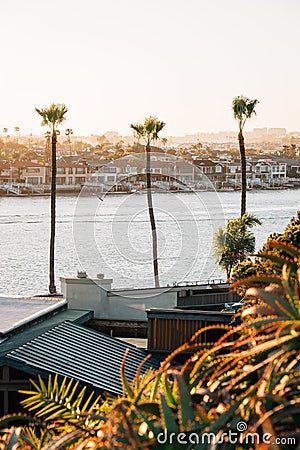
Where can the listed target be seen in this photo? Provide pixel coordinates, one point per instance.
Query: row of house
(167, 169)
(32, 173)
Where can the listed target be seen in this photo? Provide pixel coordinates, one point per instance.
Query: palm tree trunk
(244, 173)
(151, 215)
(52, 287)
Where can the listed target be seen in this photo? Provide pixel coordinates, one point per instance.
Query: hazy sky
(113, 62)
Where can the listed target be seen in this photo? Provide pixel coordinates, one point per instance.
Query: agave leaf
(284, 246)
(226, 416)
(266, 279)
(261, 310)
(167, 415)
(292, 408)
(185, 410)
(62, 442)
(287, 274)
(280, 305)
(156, 387)
(138, 372)
(146, 419)
(150, 407)
(126, 386)
(168, 390)
(279, 260)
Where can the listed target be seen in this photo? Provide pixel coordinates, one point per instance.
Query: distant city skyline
(258, 132)
(114, 62)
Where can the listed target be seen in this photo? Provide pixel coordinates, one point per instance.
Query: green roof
(75, 351)
(27, 334)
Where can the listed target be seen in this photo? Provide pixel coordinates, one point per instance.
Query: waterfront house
(5, 172)
(215, 171)
(70, 173)
(29, 172)
(234, 172)
(268, 171)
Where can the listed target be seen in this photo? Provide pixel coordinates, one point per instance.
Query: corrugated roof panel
(81, 353)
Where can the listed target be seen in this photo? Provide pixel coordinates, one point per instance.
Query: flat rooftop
(16, 312)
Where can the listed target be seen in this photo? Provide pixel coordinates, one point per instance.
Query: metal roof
(23, 335)
(189, 314)
(81, 353)
(15, 312)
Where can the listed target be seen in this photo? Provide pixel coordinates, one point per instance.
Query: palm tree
(68, 133)
(243, 108)
(47, 149)
(164, 141)
(17, 129)
(5, 131)
(235, 243)
(52, 117)
(148, 131)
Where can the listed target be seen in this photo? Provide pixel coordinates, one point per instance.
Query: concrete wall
(96, 295)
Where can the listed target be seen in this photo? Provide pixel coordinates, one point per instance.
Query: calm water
(113, 236)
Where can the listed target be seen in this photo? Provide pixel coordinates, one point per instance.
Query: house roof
(4, 166)
(70, 159)
(23, 164)
(206, 163)
(62, 163)
(18, 311)
(25, 334)
(80, 353)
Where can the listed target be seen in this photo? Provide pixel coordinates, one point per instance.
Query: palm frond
(61, 402)
(53, 115)
(149, 130)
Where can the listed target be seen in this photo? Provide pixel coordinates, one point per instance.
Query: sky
(114, 62)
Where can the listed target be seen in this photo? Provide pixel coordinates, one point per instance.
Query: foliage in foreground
(251, 376)
(267, 266)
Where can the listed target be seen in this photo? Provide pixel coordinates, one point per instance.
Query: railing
(208, 299)
(11, 188)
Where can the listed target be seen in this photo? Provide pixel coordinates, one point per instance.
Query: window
(218, 169)
(34, 180)
(61, 170)
(110, 178)
(106, 169)
(80, 180)
(60, 180)
(80, 170)
(32, 170)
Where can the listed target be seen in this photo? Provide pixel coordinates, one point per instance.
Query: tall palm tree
(17, 129)
(243, 108)
(47, 149)
(52, 117)
(68, 133)
(5, 131)
(148, 131)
